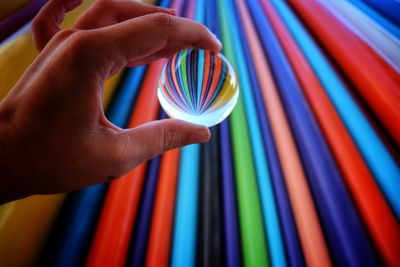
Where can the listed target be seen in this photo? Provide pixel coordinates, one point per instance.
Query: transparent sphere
(199, 87)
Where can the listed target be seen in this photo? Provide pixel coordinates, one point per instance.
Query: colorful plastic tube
(233, 255)
(376, 82)
(210, 235)
(141, 233)
(385, 44)
(24, 226)
(7, 7)
(384, 22)
(185, 226)
(254, 245)
(344, 232)
(311, 237)
(210, 238)
(384, 168)
(388, 8)
(378, 218)
(293, 248)
(268, 203)
(233, 252)
(159, 244)
(14, 21)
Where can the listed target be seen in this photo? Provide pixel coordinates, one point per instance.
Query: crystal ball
(198, 86)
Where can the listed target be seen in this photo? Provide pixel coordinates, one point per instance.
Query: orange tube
(112, 236)
(377, 82)
(159, 246)
(375, 212)
(309, 228)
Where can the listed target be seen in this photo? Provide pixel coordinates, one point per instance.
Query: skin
(54, 136)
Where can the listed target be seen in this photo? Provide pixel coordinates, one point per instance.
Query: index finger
(154, 35)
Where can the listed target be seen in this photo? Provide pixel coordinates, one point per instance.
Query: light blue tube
(270, 213)
(378, 158)
(185, 227)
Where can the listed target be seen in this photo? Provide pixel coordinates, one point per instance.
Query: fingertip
(217, 43)
(200, 135)
(218, 46)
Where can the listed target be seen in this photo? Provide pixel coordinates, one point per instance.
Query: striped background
(305, 172)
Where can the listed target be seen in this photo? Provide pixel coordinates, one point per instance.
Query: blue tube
(345, 234)
(378, 158)
(381, 20)
(388, 8)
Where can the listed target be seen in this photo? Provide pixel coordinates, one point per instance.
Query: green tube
(251, 222)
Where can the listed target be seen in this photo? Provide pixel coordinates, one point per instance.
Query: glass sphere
(199, 87)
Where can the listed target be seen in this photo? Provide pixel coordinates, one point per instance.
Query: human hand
(54, 136)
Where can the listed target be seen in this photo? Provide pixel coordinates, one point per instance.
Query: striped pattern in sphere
(196, 83)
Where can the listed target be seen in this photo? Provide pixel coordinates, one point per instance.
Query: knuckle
(161, 19)
(76, 39)
(76, 45)
(64, 34)
(172, 138)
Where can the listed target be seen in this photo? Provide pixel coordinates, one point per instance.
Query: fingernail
(200, 135)
(217, 40)
(172, 11)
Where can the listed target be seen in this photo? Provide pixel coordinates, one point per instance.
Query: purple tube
(22, 16)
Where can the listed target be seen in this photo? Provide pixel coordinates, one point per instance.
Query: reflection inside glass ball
(199, 87)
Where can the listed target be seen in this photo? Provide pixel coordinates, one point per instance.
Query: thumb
(144, 142)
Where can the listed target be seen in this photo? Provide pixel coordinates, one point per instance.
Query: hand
(54, 136)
